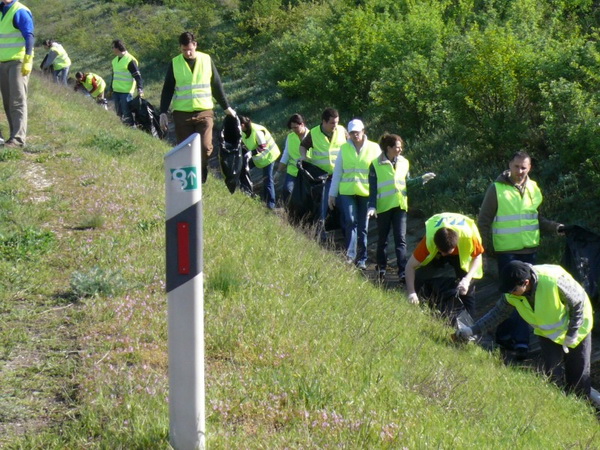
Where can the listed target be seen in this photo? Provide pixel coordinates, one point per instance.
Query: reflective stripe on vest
(391, 183)
(293, 147)
(516, 224)
(192, 89)
(123, 82)
(12, 42)
(269, 154)
(550, 317)
(467, 231)
(62, 60)
(355, 168)
(324, 152)
(87, 83)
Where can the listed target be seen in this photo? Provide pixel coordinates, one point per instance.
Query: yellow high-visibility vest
(192, 89)
(269, 154)
(62, 59)
(293, 146)
(324, 151)
(550, 316)
(123, 82)
(12, 42)
(391, 183)
(355, 168)
(516, 224)
(87, 83)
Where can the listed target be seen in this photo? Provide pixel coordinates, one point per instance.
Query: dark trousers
(201, 122)
(395, 219)
(571, 370)
(514, 328)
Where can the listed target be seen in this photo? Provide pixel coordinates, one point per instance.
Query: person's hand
(428, 177)
(568, 342)
(27, 65)
(463, 286)
(230, 112)
(464, 333)
(560, 229)
(413, 298)
(331, 202)
(140, 93)
(164, 121)
(371, 212)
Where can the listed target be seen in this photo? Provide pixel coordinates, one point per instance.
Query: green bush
(97, 281)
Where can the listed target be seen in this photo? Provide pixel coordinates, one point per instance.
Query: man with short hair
(192, 80)
(454, 239)
(126, 78)
(510, 227)
(16, 62)
(321, 147)
(560, 311)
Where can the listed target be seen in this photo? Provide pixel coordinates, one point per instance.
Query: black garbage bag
(230, 152)
(441, 294)
(305, 202)
(582, 259)
(146, 117)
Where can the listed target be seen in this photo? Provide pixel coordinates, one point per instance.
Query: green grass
(301, 350)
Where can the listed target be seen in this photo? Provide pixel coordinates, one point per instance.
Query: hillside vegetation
(301, 350)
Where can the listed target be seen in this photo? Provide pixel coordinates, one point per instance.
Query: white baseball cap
(355, 125)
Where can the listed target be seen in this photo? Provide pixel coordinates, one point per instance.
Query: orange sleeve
(477, 248)
(421, 251)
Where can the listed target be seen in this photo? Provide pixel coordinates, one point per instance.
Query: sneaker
(349, 261)
(11, 143)
(361, 265)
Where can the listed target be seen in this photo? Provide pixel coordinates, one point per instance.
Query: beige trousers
(13, 87)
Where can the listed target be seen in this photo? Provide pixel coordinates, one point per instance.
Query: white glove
(464, 333)
(331, 202)
(568, 342)
(428, 177)
(463, 286)
(413, 298)
(230, 112)
(164, 121)
(371, 212)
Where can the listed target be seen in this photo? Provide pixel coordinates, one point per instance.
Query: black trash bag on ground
(441, 294)
(304, 204)
(230, 152)
(582, 259)
(146, 117)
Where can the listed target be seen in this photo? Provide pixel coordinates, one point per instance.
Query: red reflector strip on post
(183, 248)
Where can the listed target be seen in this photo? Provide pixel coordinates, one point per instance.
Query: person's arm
(305, 146)
(574, 297)
(23, 21)
(372, 187)
(548, 226)
(487, 213)
(499, 313)
(409, 277)
(465, 282)
(168, 90)
(135, 73)
(336, 177)
(216, 88)
(285, 157)
(49, 59)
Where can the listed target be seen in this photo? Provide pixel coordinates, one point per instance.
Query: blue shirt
(23, 21)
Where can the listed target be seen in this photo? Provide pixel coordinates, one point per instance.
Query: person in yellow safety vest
(191, 81)
(350, 180)
(321, 147)
(58, 59)
(510, 225)
(262, 153)
(389, 181)
(454, 239)
(291, 154)
(93, 84)
(560, 312)
(126, 79)
(16, 62)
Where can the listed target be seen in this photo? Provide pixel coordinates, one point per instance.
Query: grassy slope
(301, 350)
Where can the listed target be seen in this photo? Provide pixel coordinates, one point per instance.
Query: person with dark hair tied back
(126, 78)
(548, 298)
(510, 227)
(389, 181)
(291, 153)
(262, 153)
(58, 58)
(454, 239)
(192, 80)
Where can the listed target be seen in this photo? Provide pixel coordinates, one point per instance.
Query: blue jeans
(354, 211)
(395, 219)
(288, 187)
(268, 193)
(514, 327)
(122, 107)
(60, 76)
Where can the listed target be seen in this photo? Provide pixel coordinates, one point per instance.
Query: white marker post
(185, 295)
